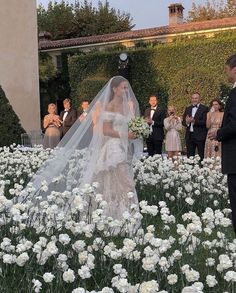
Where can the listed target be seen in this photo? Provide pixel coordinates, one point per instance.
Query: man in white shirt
(155, 115)
(194, 119)
(68, 116)
(84, 107)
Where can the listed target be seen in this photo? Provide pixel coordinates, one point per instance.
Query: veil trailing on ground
(82, 154)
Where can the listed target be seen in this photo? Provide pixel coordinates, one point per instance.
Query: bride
(100, 149)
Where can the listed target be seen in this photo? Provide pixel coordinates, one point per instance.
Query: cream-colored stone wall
(19, 59)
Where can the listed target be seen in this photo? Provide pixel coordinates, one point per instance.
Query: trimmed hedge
(10, 127)
(88, 88)
(190, 80)
(158, 70)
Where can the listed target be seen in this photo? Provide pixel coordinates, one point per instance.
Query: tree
(57, 19)
(212, 9)
(47, 69)
(65, 20)
(10, 127)
(84, 19)
(109, 20)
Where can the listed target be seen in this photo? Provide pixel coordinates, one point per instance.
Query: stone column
(19, 76)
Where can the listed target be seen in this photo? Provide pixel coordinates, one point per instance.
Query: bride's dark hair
(115, 82)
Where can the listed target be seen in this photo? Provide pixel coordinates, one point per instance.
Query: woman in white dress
(172, 125)
(101, 149)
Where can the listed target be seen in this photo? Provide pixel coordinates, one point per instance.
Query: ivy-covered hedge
(163, 69)
(10, 127)
(54, 85)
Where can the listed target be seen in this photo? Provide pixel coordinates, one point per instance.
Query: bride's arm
(108, 129)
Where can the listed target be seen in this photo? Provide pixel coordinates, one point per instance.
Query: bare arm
(108, 129)
(46, 121)
(208, 121)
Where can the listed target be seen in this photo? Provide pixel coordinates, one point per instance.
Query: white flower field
(185, 243)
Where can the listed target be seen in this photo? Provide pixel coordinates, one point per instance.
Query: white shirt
(151, 115)
(65, 115)
(194, 110)
(234, 85)
(152, 112)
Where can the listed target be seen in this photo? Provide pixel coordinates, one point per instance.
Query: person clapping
(51, 124)
(172, 125)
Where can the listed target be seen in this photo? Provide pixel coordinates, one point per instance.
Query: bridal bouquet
(139, 127)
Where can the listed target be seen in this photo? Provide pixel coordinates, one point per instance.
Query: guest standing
(194, 119)
(155, 115)
(172, 125)
(68, 116)
(51, 123)
(213, 123)
(227, 135)
(84, 112)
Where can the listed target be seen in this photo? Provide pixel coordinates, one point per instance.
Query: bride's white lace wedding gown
(113, 169)
(88, 154)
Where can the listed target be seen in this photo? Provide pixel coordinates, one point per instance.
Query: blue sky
(145, 13)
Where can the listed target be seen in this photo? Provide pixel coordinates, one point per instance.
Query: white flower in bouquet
(139, 127)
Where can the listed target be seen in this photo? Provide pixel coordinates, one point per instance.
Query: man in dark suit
(227, 135)
(194, 119)
(155, 115)
(84, 110)
(68, 116)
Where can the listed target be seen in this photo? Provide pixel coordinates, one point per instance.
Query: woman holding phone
(172, 125)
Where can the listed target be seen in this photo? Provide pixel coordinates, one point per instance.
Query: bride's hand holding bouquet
(131, 135)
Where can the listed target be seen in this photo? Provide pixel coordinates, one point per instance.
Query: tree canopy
(212, 9)
(64, 20)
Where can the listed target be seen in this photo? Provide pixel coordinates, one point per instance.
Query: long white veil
(78, 156)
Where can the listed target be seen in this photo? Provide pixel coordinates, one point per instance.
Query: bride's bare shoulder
(110, 107)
